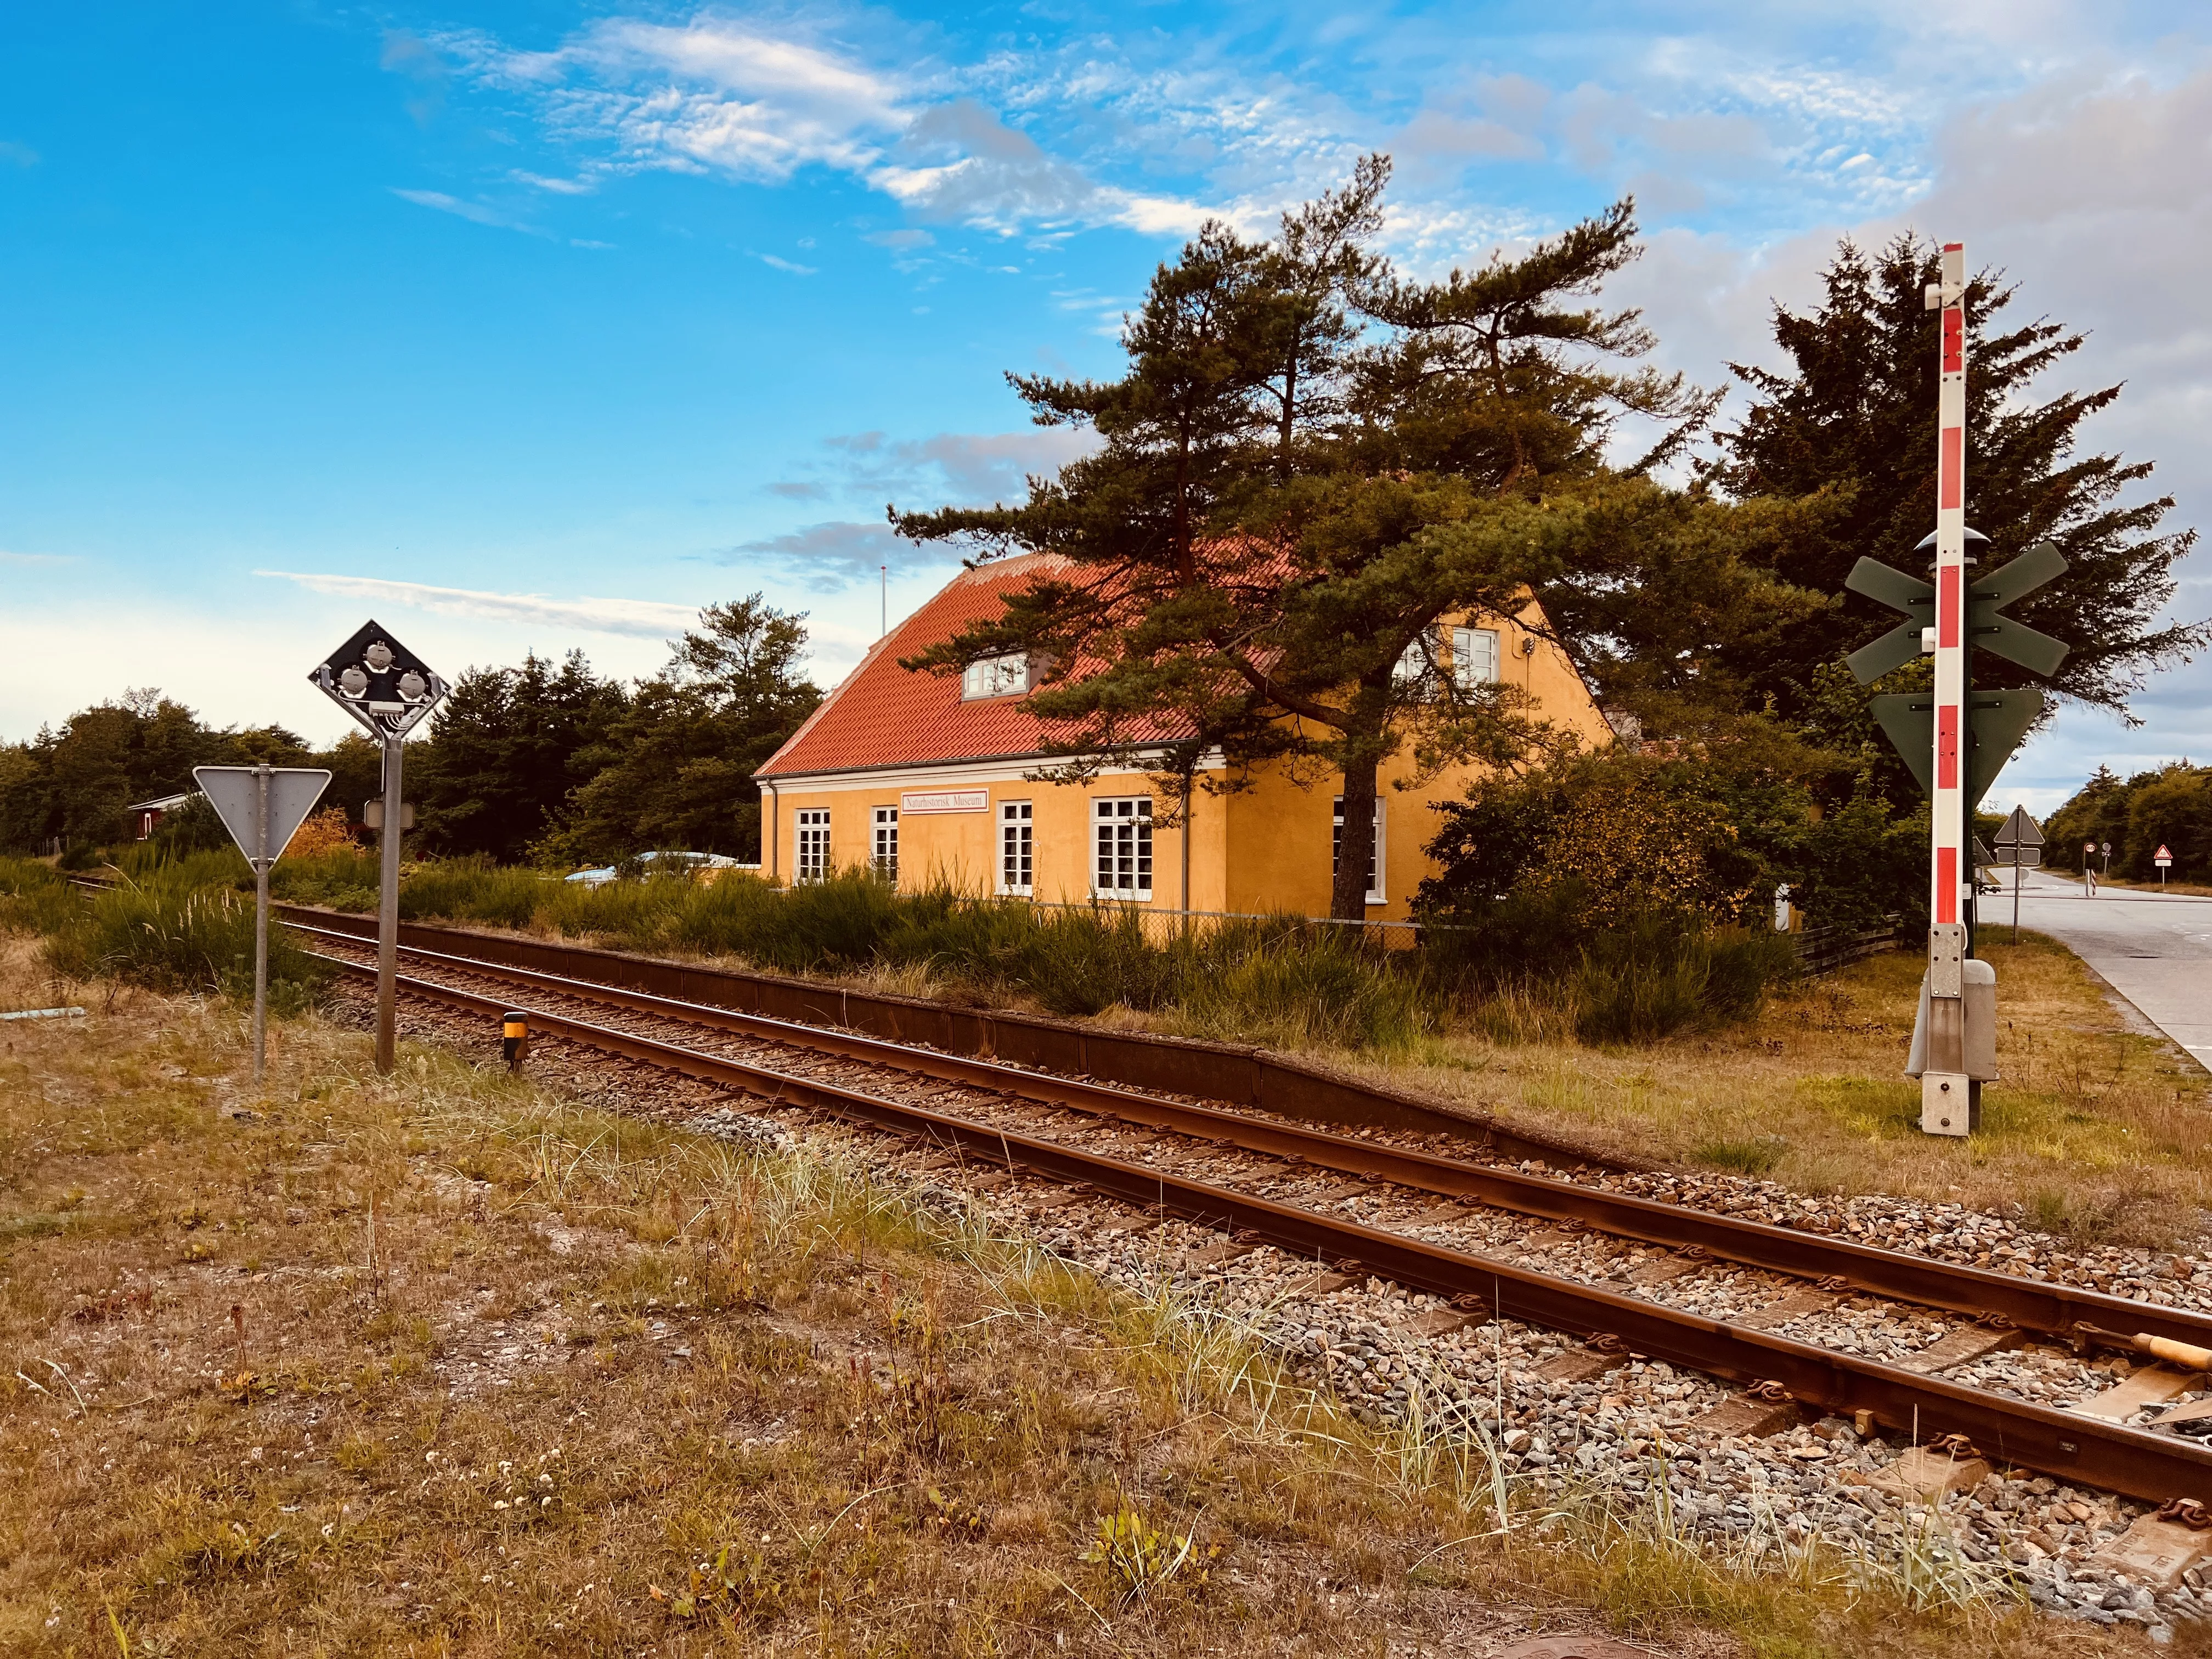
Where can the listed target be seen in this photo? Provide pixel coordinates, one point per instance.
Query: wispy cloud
(791, 265)
(36, 558)
(557, 186)
(477, 213)
(648, 618)
(836, 554)
(968, 467)
(15, 155)
(751, 100)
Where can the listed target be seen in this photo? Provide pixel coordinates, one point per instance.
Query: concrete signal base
(1955, 1049)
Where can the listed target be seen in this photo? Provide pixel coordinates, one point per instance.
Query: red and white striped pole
(1946, 1092)
(1949, 871)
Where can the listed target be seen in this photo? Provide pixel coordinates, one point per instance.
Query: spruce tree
(508, 746)
(1852, 421)
(674, 771)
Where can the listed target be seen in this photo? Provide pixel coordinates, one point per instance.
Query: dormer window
(995, 677)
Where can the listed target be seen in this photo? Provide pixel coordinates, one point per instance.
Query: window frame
(883, 828)
(810, 834)
(1416, 672)
(1378, 863)
(1004, 676)
(1116, 821)
(1016, 831)
(1462, 638)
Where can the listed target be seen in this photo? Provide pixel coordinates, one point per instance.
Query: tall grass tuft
(1315, 984)
(35, 897)
(1653, 978)
(1282, 981)
(169, 932)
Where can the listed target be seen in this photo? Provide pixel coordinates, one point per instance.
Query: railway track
(1453, 1228)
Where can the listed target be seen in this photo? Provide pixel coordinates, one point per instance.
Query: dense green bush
(342, 877)
(1656, 976)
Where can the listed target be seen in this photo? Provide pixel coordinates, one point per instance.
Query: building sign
(945, 800)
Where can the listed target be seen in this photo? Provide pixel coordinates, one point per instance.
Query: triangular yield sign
(234, 792)
(2163, 852)
(2019, 830)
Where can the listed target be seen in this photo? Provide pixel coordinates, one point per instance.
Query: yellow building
(924, 777)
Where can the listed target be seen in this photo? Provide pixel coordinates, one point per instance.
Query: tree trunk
(1348, 893)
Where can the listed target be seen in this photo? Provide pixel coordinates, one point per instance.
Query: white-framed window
(1417, 662)
(1474, 657)
(1122, 834)
(1375, 860)
(813, 863)
(995, 677)
(883, 849)
(1017, 849)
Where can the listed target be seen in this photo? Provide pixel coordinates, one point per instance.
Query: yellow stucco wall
(1262, 848)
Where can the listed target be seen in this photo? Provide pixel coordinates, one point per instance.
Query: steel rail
(2072, 1447)
(1975, 1292)
(1232, 1073)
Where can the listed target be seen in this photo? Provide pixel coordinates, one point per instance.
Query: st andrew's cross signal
(1996, 721)
(1955, 739)
(390, 691)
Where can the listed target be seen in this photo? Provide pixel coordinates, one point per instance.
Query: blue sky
(542, 326)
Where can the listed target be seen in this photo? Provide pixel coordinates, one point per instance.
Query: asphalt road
(2155, 950)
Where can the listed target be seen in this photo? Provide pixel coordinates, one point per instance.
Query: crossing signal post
(1955, 739)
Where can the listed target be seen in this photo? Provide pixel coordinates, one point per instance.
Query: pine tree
(675, 771)
(1280, 514)
(1853, 421)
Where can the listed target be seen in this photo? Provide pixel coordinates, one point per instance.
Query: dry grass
(2095, 1130)
(453, 1364)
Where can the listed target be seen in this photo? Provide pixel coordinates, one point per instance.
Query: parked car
(663, 861)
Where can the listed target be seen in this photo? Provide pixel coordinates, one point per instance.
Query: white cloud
(557, 186)
(791, 266)
(750, 101)
(651, 618)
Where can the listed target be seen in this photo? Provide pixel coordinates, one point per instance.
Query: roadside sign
(234, 792)
(262, 807)
(2020, 840)
(2164, 854)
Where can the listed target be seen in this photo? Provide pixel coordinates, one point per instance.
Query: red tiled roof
(882, 714)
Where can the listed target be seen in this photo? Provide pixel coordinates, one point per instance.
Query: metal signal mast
(1955, 741)
(1947, 1083)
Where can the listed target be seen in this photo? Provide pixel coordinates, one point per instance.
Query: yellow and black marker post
(514, 1038)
